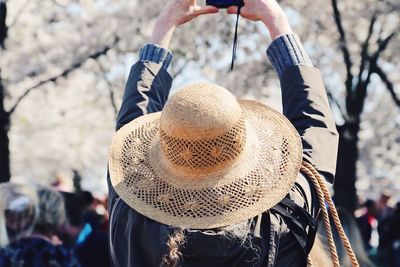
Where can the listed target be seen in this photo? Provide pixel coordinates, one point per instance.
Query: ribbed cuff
(287, 51)
(157, 54)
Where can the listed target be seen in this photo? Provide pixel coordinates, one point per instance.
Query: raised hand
(267, 11)
(175, 13)
(178, 12)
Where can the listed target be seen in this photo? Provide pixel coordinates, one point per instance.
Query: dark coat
(37, 252)
(282, 239)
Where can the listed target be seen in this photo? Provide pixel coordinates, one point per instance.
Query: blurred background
(63, 65)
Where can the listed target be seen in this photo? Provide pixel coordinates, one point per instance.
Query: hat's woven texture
(206, 161)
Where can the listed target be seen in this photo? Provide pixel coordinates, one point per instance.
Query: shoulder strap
(302, 225)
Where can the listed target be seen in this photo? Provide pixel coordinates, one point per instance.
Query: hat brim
(260, 178)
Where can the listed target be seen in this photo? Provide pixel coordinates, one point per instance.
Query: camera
(224, 3)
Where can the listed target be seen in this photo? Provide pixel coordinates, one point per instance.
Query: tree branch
(333, 100)
(382, 44)
(65, 73)
(361, 89)
(18, 13)
(58, 4)
(180, 70)
(362, 84)
(3, 24)
(364, 51)
(112, 99)
(389, 85)
(343, 46)
(110, 89)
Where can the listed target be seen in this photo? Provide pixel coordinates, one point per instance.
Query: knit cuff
(157, 54)
(287, 51)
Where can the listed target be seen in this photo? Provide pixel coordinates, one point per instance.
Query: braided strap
(323, 195)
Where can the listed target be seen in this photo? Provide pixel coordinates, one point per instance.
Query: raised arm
(149, 83)
(305, 102)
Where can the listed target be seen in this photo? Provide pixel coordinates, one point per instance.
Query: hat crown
(202, 128)
(200, 110)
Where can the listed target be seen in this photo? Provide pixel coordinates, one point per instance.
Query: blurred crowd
(44, 226)
(379, 225)
(48, 226)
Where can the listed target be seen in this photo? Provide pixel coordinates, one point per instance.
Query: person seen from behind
(390, 237)
(204, 179)
(367, 221)
(42, 247)
(18, 212)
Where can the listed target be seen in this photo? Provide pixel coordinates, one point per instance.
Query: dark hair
(87, 198)
(369, 203)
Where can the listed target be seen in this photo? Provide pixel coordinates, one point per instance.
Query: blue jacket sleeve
(305, 103)
(146, 91)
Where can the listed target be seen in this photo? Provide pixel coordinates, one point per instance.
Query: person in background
(92, 244)
(384, 210)
(383, 207)
(86, 233)
(51, 215)
(390, 237)
(76, 204)
(366, 221)
(18, 212)
(42, 247)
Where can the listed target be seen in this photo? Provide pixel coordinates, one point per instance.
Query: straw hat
(206, 161)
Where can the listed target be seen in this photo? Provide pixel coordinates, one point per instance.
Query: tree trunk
(346, 176)
(4, 141)
(4, 115)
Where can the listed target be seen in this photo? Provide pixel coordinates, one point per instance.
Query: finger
(205, 10)
(232, 10)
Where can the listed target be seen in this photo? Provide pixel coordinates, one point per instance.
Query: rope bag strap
(323, 195)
